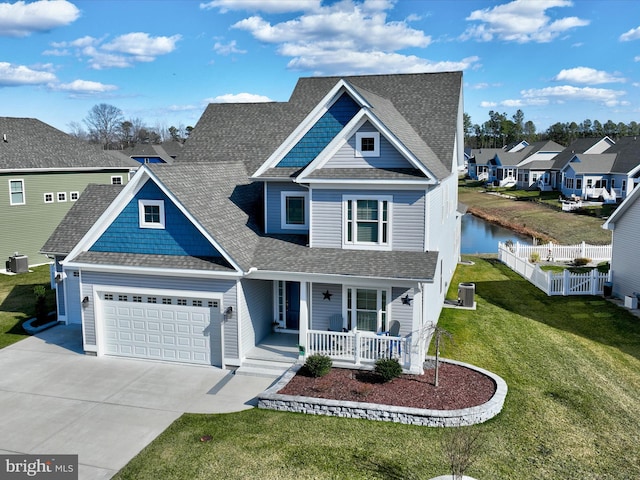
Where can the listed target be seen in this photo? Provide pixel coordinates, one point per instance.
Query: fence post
(583, 249)
(594, 281)
(565, 283)
(356, 348)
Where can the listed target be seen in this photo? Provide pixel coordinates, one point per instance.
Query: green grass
(17, 302)
(572, 365)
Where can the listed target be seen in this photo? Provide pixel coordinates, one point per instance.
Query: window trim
(22, 191)
(354, 244)
(383, 312)
(359, 152)
(141, 214)
(44, 197)
(283, 210)
(116, 177)
(71, 195)
(61, 197)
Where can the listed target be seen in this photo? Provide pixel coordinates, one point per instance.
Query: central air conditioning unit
(466, 294)
(18, 264)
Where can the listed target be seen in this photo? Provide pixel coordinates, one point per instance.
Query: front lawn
(17, 302)
(572, 366)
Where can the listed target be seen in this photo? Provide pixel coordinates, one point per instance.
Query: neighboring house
(625, 262)
(43, 172)
(607, 174)
(148, 153)
(331, 217)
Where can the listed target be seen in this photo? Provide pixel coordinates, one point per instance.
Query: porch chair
(335, 323)
(394, 331)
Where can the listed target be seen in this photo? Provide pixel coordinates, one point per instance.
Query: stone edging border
(272, 400)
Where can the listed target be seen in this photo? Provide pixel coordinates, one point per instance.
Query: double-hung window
(151, 213)
(16, 192)
(367, 308)
(367, 221)
(295, 211)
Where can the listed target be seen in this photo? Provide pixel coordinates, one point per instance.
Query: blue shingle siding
(325, 129)
(179, 237)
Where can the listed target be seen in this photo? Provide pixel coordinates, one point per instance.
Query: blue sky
(163, 61)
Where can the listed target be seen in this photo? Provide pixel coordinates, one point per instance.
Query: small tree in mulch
(42, 313)
(437, 333)
(461, 446)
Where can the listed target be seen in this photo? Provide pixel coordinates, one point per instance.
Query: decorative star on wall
(327, 295)
(406, 300)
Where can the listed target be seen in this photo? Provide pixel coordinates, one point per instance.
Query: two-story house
(330, 218)
(43, 171)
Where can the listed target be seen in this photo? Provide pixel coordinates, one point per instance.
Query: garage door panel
(175, 330)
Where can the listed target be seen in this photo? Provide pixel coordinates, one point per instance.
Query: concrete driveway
(56, 400)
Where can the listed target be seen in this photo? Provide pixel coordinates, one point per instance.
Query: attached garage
(161, 327)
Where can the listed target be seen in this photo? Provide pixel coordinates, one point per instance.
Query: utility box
(18, 264)
(631, 302)
(466, 294)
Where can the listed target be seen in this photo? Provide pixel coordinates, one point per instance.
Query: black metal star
(327, 295)
(406, 300)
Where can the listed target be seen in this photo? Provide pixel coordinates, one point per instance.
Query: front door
(293, 305)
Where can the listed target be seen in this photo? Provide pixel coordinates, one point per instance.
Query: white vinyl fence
(517, 256)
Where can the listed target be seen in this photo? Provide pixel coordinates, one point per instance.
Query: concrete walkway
(56, 400)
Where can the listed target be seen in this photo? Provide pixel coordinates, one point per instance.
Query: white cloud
(485, 104)
(633, 34)
(239, 98)
(121, 52)
(227, 49)
(520, 21)
(21, 19)
(84, 87)
(564, 93)
(269, 6)
(350, 37)
(17, 75)
(588, 76)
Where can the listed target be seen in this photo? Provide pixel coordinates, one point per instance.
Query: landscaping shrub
(580, 262)
(318, 365)
(534, 257)
(388, 368)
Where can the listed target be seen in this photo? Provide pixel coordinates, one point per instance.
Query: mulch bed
(459, 387)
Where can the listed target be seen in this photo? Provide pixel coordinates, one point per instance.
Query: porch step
(256, 367)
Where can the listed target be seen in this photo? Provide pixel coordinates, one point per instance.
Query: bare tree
(103, 122)
(461, 446)
(76, 130)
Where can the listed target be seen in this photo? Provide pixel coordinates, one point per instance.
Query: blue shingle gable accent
(319, 136)
(179, 237)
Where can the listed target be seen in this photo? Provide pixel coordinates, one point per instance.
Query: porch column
(304, 318)
(418, 339)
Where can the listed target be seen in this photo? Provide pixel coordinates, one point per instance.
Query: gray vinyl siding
(389, 157)
(407, 218)
(256, 312)
(401, 312)
(322, 310)
(273, 207)
(226, 287)
(624, 262)
(74, 310)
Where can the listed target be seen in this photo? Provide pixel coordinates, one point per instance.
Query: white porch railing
(359, 347)
(564, 283)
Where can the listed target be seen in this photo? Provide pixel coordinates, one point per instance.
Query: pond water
(479, 236)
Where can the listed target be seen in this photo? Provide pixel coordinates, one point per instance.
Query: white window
(367, 144)
(367, 221)
(62, 196)
(48, 197)
(367, 308)
(294, 212)
(16, 192)
(116, 180)
(151, 213)
(74, 196)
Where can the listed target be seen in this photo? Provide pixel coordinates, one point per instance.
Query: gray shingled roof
(422, 108)
(593, 163)
(29, 144)
(214, 264)
(627, 150)
(92, 203)
(368, 173)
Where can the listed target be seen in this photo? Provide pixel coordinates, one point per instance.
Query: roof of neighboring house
(166, 151)
(425, 124)
(579, 145)
(484, 155)
(92, 203)
(627, 150)
(592, 162)
(29, 144)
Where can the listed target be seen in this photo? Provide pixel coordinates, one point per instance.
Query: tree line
(106, 125)
(500, 130)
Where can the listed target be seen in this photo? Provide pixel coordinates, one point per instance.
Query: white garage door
(176, 329)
